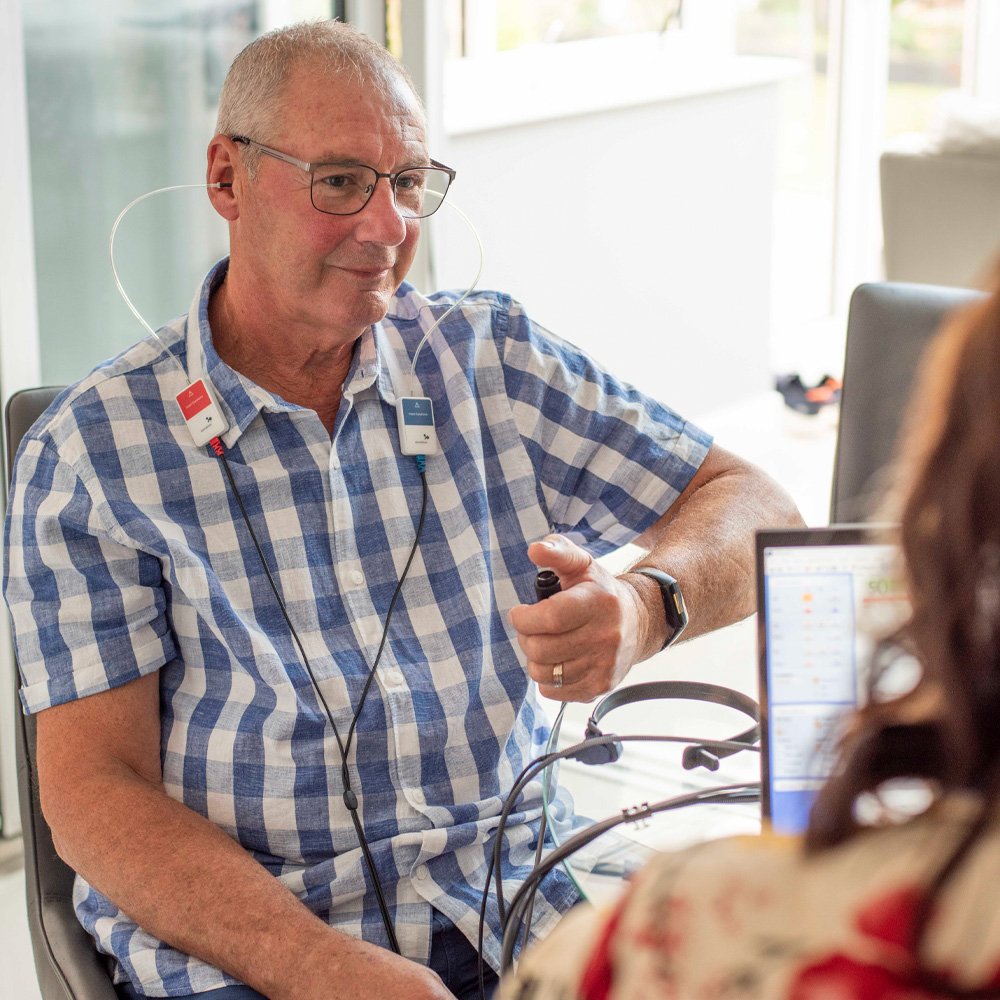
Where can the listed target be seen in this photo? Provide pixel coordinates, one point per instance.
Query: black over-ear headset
(706, 754)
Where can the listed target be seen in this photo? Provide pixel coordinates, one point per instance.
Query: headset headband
(698, 755)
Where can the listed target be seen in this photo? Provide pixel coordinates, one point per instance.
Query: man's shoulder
(111, 390)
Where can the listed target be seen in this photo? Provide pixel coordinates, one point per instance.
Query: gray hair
(250, 101)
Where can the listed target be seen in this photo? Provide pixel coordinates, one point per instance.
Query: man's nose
(380, 220)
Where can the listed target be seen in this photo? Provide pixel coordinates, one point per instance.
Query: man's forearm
(707, 543)
(185, 881)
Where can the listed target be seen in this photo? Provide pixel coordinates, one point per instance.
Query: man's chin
(369, 307)
(355, 301)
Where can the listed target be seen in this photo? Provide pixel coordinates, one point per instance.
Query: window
(925, 61)
(802, 252)
(122, 99)
(525, 22)
(488, 26)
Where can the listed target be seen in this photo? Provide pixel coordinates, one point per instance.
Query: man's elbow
(766, 503)
(65, 801)
(778, 509)
(82, 804)
(61, 847)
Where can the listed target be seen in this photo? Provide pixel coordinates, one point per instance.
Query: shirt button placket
(344, 542)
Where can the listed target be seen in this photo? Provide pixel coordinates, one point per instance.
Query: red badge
(193, 399)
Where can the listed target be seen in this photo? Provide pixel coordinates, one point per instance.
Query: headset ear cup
(699, 757)
(600, 753)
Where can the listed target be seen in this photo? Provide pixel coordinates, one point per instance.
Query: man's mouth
(366, 270)
(366, 273)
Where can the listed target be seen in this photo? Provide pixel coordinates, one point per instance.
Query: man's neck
(277, 357)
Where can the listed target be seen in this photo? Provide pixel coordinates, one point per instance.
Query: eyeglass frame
(245, 140)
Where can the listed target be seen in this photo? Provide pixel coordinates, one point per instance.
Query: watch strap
(674, 608)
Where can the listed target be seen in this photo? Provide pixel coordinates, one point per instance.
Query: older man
(279, 687)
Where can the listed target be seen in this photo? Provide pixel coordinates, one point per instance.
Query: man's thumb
(559, 554)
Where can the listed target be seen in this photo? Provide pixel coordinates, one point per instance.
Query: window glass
(802, 249)
(523, 22)
(487, 26)
(121, 100)
(925, 61)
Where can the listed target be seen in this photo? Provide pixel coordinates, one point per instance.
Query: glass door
(122, 99)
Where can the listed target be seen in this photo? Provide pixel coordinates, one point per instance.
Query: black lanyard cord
(349, 796)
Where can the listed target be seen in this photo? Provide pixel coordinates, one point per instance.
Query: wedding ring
(557, 675)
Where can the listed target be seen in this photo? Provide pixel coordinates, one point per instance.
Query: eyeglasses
(345, 188)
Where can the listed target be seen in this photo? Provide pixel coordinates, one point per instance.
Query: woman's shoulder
(787, 915)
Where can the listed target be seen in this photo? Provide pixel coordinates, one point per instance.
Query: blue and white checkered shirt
(126, 554)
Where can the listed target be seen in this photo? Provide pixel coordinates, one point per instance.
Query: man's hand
(361, 971)
(595, 627)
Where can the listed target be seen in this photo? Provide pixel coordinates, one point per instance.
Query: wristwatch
(673, 601)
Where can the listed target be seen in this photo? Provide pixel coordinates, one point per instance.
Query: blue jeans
(452, 958)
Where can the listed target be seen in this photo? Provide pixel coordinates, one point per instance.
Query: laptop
(825, 596)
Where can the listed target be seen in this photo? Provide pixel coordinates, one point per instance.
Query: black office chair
(66, 962)
(888, 326)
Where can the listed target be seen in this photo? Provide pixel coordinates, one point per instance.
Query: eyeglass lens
(343, 190)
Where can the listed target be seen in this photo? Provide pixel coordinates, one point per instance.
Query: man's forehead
(344, 146)
(311, 81)
(377, 108)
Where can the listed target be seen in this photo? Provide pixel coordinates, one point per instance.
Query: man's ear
(223, 187)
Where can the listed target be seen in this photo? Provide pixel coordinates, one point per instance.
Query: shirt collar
(241, 399)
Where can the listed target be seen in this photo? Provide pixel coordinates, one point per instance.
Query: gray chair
(888, 326)
(66, 962)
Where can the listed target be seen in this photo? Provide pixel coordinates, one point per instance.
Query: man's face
(329, 276)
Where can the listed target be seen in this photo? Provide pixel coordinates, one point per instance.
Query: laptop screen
(825, 596)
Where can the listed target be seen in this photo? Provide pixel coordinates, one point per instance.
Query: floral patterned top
(750, 918)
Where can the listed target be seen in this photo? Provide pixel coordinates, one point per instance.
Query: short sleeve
(609, 460)
(88, 611)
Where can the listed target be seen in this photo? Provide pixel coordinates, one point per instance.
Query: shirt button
(421, 873)
(334, 464)
(418, 797)
(394, 678)
(357, 578)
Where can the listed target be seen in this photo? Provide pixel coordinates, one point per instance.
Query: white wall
(642, 233)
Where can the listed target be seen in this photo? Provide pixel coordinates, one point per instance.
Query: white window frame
(981, 42)
(20, 362)
(368, 16)
(859, 67)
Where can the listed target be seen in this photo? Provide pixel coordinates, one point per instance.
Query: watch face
(677, 602)
(673, 600)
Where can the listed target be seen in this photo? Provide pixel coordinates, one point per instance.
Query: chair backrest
(66, 962)
(888, 326)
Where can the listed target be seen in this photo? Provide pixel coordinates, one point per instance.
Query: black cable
(350, 799)
(480, 962)
(737, 793)
(349, 796)
(721, 795)
(216, 445)
(539, 845)
(540, 763)
(388, 614)
(494, 865)
(529, 771)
